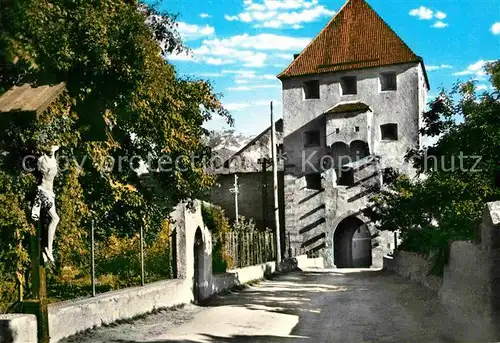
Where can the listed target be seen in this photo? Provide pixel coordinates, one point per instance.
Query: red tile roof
(355, 38)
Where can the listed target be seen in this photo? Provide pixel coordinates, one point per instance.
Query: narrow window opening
(311, 89)
(313, 181)
(346, 177)
(356, 128)
(311, 138)
(389, 132)
(349, 85)
(388, 81)
(337, 130)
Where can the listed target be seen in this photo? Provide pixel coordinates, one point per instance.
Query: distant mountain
(225, 143)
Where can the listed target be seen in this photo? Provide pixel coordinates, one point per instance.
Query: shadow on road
(289, 294)
(205, 338)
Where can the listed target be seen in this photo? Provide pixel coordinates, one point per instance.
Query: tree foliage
(122, 99)
(456, 175)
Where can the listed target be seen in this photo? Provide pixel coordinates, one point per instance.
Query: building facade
(352, 106)
(252, 165)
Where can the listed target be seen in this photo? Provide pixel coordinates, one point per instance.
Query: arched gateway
(352, 244)
(198, 251)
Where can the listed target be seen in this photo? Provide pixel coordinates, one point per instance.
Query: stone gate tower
(352, 105)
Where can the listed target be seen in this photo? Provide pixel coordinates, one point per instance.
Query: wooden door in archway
(352, 244)
(198, 265)
(361, 248)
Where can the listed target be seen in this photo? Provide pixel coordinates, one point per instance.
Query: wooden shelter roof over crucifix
(26, 98)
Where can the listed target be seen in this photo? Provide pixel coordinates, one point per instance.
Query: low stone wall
(70, 317)
(414, 267)
(464, 289)
(241, 276)
(18, 328)
(303, 262)
(466, 293)
(470, 286)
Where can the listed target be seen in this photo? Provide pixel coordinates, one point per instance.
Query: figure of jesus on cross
(45, 200)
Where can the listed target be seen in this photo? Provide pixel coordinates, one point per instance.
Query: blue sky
(241, 45)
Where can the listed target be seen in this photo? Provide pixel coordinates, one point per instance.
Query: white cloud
(250, 87)
(495, 28)
(422, 13)
(193, 31)
(253, 87)
(481, 87)
(440, 15)
(243, 49)
(217, 61)
(237, 106)
(265, 86)
(205, 15)
(437, 67)
(241, 82)
(243, 73)
(439, 25)
(285, 56)
(294, 19)
(269, 77)
(239, 88)
(476, 69)
(230, 55)
(211, 74)
(280, 13)
(249, 74)
(264, 41)
(181, 57)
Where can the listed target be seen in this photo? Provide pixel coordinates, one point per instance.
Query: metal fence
(108, 262)
(243, 249)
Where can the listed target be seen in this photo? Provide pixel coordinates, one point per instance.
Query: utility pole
(275, 187)
(264, 161)
(92, 257)
(235, 190)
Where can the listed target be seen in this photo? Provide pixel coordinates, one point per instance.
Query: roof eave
(421, 60)
(417, 60)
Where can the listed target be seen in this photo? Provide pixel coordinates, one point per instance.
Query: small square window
(349, 85)
(311, 89)
(313, 181)
(388, 81)
(311, 138)
(345, 177)
(389, 132)
(356, 128)
(337, 130)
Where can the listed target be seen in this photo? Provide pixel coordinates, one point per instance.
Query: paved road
(311, 306)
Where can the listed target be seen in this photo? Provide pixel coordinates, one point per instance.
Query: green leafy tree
(456, 174)
(122, 99)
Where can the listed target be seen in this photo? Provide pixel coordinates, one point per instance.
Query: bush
(217, 223)
(119, 257)
(157, 261)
